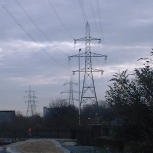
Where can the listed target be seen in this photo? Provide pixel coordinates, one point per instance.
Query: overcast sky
(37, 36)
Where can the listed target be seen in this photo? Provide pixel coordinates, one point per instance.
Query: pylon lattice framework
(31, 108)
(88, 90)
(71, 91)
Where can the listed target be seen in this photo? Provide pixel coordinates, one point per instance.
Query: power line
(35, 24)
(60, 19)
(24, 30)
(100, 20)
(83, 11)
(14, 19)
(94, 16)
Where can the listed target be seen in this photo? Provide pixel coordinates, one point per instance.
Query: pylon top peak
(87, 25)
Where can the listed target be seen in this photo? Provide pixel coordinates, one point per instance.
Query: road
(2, 151)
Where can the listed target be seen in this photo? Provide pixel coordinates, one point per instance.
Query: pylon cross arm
(91, 38)
(98, 55)
(90, 55)
(96, 70)
(88, 38)
(80, 39)
(93, 70)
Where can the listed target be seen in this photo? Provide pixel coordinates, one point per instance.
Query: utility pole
(31, 108)
(88, 93)
(71, 91)
(79, 91)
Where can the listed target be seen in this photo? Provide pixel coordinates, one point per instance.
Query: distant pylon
(88, 93)
(71, 91)
(31, 108)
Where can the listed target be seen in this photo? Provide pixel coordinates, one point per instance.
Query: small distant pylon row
(71, 91)
(31, 107)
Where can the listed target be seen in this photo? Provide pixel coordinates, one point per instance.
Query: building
(46, 111)
(7, 116)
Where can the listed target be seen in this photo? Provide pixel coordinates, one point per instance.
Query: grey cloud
(127, 32)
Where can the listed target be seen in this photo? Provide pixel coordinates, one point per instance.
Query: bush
(112, 144)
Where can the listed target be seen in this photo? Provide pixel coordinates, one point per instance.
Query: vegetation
(131, 100)
(61, 115)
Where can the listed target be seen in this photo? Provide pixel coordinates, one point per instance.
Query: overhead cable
(94, 16)
(60, 19)
(36, 25)
(83, 11)
(100, 20)
(30, 36)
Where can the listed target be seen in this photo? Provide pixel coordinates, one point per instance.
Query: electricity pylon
(88, 90)
(31, 108)
(71, 91)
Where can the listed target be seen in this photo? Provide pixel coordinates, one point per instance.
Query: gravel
(36, 146)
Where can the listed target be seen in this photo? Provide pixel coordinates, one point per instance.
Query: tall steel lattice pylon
(88, 90)
(31, 108)
(71, 91)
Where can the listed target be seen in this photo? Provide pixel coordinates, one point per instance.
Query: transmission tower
(88, 93)
(31, 108)
(71, 91)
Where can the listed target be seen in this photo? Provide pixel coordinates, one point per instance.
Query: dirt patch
(38, 146)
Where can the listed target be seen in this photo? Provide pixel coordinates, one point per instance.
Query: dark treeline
(131, 99)
(60, 117)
